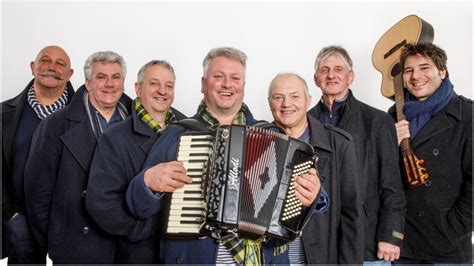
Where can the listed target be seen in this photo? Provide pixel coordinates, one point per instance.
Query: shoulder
(179, 115)
(466, 100)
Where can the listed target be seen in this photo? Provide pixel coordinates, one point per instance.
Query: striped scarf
(146, 118)
(205, 115)
(94, 116)
(42, 111)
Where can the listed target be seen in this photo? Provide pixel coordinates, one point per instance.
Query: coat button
(435, 152)
(85, 230)
(421, 213)
(84, 193)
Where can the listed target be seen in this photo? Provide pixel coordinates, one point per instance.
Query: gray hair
(105, 57)
(162, 63)
(333, 50)
(228, 52)
(288, 74)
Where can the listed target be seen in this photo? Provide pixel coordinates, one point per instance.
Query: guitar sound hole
(396, 70)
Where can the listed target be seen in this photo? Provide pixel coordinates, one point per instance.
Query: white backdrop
(277, 37)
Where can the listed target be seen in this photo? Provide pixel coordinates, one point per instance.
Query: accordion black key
(243, 181)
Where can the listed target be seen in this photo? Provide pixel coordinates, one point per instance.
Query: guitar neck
(399, 96)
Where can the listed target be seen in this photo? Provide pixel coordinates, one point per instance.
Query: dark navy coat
(144, 203)
(120, 154)
(337, 235)
(439, 214)
(55, 186)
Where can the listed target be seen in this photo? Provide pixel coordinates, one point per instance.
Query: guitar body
(386, 53)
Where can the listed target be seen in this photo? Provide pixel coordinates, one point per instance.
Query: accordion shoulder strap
(267, 125)
(193, 124)
(197, 125)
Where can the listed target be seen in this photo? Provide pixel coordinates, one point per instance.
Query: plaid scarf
(205, 115)
(146, 118)
(42, 111)
(243, 250)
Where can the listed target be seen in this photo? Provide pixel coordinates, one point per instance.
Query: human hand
(166, 177)
(387, 251)
(403, 130)
(307, 187)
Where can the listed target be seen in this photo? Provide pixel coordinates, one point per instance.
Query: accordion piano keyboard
(187, 203)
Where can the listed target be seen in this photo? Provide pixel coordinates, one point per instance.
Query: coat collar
(141, 128)
(319, 137)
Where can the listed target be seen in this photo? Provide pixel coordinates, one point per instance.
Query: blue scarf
(418, 113)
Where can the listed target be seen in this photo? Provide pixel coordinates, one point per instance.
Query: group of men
(85, 174)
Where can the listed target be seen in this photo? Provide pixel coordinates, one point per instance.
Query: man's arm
(392, 198)
(108, 182)
(161, 174)
(40, 177)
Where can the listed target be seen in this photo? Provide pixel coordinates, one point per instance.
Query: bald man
(48, 91)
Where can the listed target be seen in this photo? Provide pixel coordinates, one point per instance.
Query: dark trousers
(21, 247)
(415, 262)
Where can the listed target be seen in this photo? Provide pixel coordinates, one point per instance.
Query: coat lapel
(141, 129)
(79, 139)
(320, 140)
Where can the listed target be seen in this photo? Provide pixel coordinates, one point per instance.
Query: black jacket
(56, 177)
(381, 186)
(11, 113)
(119, 156)
(335, 236)
(439, 215)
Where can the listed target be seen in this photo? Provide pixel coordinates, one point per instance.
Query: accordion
(243, 182)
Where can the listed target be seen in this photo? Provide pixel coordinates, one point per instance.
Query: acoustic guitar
(386, 59)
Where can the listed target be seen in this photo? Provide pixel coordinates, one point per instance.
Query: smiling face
(289, 102)
(106, 85)
(156, 92)
(421, 76)
(334, 77)
(51, 68)
(223, 86)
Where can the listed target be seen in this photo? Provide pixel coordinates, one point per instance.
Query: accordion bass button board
(243, 181)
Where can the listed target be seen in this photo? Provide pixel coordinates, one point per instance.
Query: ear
(32, 67)
(442, 73)
(351, 78)
(71, 71)
(202, 85)
(137, 89)
(88, 85)
(308, 102)
(315, 77)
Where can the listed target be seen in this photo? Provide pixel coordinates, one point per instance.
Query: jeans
(21, 247)
(377, 263)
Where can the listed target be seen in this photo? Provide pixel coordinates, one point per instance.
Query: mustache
(51, 74)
